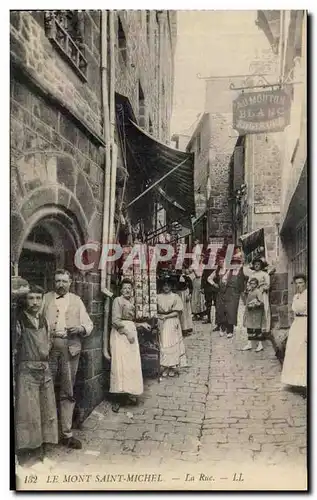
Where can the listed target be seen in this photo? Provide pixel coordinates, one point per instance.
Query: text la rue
(208, 477)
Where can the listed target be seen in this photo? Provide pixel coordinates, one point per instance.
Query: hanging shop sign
(261, 112)
(253, 244)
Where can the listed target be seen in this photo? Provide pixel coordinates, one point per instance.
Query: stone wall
(30, 47)
(213, 162)
(199, 145)
(56, 167)
(141, 64)
(263, 171)
(219, 210)
(57, 155)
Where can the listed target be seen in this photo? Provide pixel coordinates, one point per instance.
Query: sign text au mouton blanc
(266, 111)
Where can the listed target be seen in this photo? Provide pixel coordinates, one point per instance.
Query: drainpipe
(107, 176)
(112, 177)
(114, 148)
(160, 42)
(281, 46)
(286, 23)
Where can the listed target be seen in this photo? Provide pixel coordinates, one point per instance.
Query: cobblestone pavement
(227, 405)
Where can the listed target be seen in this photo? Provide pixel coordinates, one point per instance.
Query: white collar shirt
(62, 304)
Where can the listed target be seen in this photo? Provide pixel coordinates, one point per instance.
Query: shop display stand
(143, 275)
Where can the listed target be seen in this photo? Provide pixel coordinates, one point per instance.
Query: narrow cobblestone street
(227, 406)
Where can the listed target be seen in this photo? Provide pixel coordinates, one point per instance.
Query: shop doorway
(50, 245)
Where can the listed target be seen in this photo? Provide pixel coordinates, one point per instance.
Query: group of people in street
(185, 297)
(126, 379)
(50, 328)
(222, 289)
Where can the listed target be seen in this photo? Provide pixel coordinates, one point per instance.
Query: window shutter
(238, 167)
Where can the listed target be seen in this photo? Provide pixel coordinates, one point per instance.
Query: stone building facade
(146, 41)
(58, 148)
(293, 228)
(273, 167)
(212, 142)
(145, 66)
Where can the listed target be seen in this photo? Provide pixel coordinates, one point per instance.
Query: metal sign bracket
(261, 82)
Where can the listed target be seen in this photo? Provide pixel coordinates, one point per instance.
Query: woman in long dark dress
(184, 291)
(230, 286)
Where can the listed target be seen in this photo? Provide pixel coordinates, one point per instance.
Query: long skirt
(227, 304)
(186, 314)
(172, 348)
(36, 415)
(197, 297)
(295, 362)
(266, 324)
(126, 371)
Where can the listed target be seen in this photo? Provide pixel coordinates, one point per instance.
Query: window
(141, 107)
(64, 29)
(198, 143)
(299, 33)
(156, 53)
(299, 257)
(238, 167)
(151, 130)
(122, 42)
(294, 152)
(148, 26)
(277, 241)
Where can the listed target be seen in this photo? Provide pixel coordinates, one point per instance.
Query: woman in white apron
(294, 371)
(172, 349)
(126, 380)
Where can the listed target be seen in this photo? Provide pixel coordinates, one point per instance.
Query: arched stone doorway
(50, 244)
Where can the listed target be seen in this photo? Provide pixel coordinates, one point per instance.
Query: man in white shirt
(69, 323)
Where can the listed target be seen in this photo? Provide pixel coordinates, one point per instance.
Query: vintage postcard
(159, 249)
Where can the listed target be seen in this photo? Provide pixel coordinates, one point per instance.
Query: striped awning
(155, 170)
(156, 160)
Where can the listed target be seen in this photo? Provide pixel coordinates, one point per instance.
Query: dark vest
(33, 344)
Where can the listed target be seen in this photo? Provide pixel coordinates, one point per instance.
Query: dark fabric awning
(155, 159)
(297, 208)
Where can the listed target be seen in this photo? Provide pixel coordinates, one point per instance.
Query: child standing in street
(35, 411)
(254, 315)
